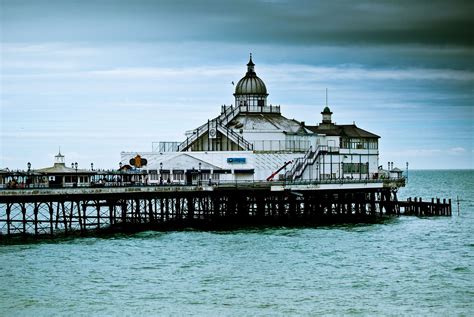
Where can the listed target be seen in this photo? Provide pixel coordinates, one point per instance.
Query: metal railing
(309, 158)
(237, 138)
(228, 113)
(255, 109)
(190, 139)
(281, 145)
(216, 184)
(301, 162)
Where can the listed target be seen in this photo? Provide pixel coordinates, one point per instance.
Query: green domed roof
(326, 110)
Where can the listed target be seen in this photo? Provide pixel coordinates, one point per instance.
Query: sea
(407, 266)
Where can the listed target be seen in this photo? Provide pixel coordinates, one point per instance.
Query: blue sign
(236, 160)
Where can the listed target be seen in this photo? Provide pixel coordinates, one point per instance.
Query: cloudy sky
(100, 77)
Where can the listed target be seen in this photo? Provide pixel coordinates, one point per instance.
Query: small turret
(250, 90)
(59, 159)
(326, 115)
(250, 66)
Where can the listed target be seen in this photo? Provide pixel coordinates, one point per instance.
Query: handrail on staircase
(302, 162)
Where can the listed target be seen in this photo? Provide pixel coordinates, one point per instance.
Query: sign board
(138, 161)
(236, 160)
(212, 129)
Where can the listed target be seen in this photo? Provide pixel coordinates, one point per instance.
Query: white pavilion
(253, 141)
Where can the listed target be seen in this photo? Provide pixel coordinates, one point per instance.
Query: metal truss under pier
(80, 210)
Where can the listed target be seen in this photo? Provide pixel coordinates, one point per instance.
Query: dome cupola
(327, 115)
(251, 90)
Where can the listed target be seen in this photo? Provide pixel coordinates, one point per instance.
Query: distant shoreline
(441, 169)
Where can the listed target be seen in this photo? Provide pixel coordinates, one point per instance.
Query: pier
(61, 211)
(247, 166)
(418, 207)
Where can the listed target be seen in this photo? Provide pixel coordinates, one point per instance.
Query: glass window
(355, 168)
(178, 177)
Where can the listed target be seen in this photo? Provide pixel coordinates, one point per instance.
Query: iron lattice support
(224, 208)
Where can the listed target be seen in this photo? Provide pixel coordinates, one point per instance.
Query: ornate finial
(59, 158)
(59, 153)
(250, 64)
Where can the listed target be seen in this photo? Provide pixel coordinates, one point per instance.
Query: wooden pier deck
(40, 212)
(418, 207)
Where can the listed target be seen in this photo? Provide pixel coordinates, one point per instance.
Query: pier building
(56, 176)
(251, 140)
(59, 175)
(250, 165)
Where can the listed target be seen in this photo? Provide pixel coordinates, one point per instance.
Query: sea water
(405, 266)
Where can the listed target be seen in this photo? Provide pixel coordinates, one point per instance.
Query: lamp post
(120, 172)
(199, 175)
(161, 173)
(92, 168)
(317, 172)
(407, 174)
(340, 170)
(77, 180)
(28, 175)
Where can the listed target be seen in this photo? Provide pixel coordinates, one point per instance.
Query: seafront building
(56, 176)
(59, 175)
(252, 140)
(250, 165)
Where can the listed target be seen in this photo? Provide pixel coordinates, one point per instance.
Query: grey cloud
(433, 22)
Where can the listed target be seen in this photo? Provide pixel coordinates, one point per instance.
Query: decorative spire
(250, 61)
(250, 66)
(59, 158)
(327, 112)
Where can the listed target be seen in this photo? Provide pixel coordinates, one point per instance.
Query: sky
(95, 78)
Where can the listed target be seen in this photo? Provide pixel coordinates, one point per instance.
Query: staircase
(309, 158)
(183, 146)
(227, 115)
(235, 137)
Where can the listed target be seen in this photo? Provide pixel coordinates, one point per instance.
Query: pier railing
(46, 212)
(198, 184)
